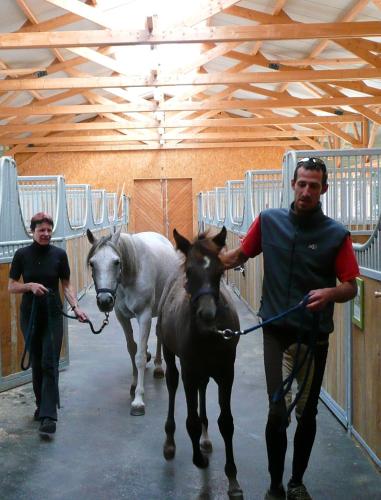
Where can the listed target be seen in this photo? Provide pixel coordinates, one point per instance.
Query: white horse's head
(105, 262)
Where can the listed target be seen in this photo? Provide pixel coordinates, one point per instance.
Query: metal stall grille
(38, 194)
(76, 202)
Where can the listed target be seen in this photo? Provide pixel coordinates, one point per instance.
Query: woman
(42, 266)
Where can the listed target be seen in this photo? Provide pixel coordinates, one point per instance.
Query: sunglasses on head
(311, 161)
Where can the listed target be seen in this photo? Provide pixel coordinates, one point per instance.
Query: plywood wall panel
(179, 207)
(335, 378)
(11, 339)
(5, 322)
(207, 168)
(366, 366)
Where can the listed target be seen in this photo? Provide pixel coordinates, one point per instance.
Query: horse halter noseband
(204, 290)
(111, 291)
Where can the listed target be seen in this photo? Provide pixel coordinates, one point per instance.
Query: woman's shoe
(47, 426)
(297, 492)
(275, 493)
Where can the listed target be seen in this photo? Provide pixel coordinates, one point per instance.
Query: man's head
(41, 225)
(312, 163)
(309, 183)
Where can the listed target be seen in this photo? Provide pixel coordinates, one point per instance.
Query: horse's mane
(128, 257)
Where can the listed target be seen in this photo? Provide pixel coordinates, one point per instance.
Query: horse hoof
(158, 372)
(201, 462)
(148, 356)
(132, 391)
(206, 446)
(137, 411)
(235, 494)
(169, 452)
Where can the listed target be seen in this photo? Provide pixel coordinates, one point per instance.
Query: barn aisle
(101, 452)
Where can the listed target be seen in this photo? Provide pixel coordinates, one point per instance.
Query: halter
(204, 290)
(111, 291)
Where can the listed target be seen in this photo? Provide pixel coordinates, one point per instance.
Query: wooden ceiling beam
(257, 16)
(206, 105)
(337, 132)
(309, 61)
(200, 145)
(173, 135)
(177, 123)
(312, 143)
(364, 54)
(100, 38)
(370, 114)
(329, 76)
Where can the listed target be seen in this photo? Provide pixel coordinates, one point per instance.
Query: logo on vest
(312, 246)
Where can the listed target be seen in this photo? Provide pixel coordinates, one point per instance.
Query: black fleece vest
(299, 255)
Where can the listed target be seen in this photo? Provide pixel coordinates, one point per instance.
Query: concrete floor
(100, 452)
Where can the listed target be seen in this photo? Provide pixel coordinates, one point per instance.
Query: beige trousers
(288, 363)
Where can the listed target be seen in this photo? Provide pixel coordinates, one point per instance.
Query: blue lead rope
(286, 384)
(228, 334)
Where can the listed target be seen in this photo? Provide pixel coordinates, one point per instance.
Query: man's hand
(232, 258)
(318, 299)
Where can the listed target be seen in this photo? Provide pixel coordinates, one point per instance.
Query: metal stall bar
(220, 205)
(77, 206)
(38, 194)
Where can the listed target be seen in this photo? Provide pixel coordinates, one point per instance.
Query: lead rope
(228, 334)
(105, 322)
(29, 336)
(31, 327)
(287, 383)
(53, 347)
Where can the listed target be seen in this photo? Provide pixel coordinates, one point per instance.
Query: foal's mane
(204, 244)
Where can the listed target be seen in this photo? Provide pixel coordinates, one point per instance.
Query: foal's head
(203, 270)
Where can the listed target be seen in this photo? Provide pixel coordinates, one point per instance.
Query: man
(304, 252)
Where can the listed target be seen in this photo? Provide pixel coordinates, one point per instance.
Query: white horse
(129, 272)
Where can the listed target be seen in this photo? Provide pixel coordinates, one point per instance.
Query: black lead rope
(32, 324)
(96, 332)
(29, 335)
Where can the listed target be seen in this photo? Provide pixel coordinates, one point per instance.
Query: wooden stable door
(163, 204)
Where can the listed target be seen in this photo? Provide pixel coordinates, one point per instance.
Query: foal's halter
(204, 290)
